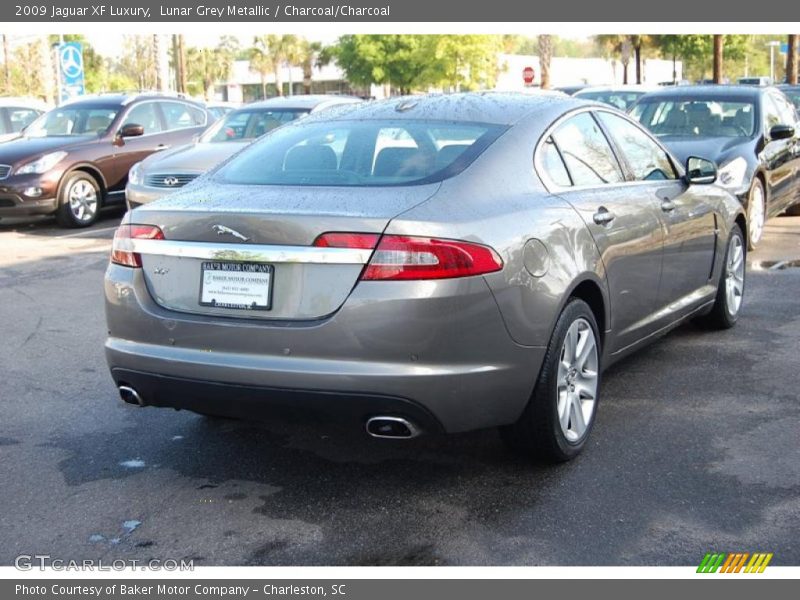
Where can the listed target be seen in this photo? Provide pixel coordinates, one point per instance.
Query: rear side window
(180, 116)
(553, 165)
(586, 152)
(360, 153)
(646, 159)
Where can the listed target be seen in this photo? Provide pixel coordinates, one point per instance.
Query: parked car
(217, 110)
(759, 80)
(16, 114)
(438, 285)
(75, 158)
(621, 97)
(168, 171)
(750, 131)
(571, 90)
(792, 92)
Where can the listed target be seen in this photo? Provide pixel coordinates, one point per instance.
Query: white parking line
(82, 233)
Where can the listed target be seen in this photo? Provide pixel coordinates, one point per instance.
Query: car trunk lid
(225, 244)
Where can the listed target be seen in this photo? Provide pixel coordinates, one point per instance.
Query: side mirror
(700, 171)
(131, 130)
(781, 132)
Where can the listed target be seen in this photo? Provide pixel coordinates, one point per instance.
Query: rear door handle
(667, 205)
(603, 216)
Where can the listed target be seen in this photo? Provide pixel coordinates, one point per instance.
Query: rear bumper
(263, 403)
(441, 347)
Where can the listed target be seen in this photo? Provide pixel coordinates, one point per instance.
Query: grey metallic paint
(469, 350)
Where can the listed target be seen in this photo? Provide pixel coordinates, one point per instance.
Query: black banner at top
(377, 11)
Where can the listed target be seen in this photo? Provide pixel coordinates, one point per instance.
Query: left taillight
(122, 248)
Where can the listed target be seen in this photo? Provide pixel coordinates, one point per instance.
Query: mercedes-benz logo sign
(170, 181)
(71, 61)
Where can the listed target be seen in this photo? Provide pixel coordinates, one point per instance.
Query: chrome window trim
(252, 252)
(554, 188)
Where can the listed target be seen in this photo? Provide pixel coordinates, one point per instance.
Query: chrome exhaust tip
(130, 395)
(395, 428)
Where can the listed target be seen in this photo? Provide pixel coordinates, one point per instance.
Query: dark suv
(75, 158)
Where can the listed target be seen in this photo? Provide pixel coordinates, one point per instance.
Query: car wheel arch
(89, 169)
(590, 288)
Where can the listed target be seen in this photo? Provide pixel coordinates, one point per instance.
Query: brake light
(122, 247)
(399, 257)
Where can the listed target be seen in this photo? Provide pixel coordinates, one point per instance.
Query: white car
(620, 96)
(16, 114)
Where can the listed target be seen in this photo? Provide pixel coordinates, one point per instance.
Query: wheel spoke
(576, 417)
(565, 406)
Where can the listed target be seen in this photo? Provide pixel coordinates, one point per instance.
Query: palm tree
(261, 63)
(310, 56)
(208, 66)
(545, 55)
(612, 45)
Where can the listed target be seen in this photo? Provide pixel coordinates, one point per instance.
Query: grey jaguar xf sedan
(423, 264)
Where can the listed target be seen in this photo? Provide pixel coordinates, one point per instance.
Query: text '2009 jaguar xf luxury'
(422, 264)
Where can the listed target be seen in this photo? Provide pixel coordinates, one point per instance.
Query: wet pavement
(696, 448)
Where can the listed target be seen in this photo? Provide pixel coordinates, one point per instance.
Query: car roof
(617, 88)
(710, 91)
(308, 102)
(125, 98)
(501, 108)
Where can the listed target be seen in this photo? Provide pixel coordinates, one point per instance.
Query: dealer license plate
(243, 286)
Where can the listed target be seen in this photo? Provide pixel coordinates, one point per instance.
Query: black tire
(756, 191)
(66, 215)
(793, 211)
(538, 432)
(722, 315)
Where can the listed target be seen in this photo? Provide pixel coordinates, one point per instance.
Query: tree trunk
(718, 58)
(263, 87)
(6, 66)
(791, 59)
(637, 56)
(545, 56)
(181, 65)
(625, 73)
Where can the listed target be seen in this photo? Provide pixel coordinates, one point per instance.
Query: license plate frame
(232, 268)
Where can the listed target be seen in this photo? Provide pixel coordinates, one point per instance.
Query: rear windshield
(620, 100)
(697, 117)
(360, 153)
(248, 124)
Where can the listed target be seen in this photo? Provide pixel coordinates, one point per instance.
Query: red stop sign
(527, 75)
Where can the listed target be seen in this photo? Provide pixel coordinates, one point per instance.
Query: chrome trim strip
(252, 252)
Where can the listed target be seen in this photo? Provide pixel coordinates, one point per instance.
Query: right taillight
(403, 258)
(122, 247)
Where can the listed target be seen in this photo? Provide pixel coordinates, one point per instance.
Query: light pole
(772, 44)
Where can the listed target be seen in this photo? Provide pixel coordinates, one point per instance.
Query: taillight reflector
(122, 248)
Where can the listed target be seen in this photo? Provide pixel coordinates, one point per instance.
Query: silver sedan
(423, 264)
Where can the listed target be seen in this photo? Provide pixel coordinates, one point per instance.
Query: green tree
(207, 66)
(400, 61)
(460, 62)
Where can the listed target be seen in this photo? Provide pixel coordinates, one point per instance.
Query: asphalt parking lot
(696, 448)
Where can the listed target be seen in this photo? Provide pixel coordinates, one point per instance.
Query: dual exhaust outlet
(384, 427)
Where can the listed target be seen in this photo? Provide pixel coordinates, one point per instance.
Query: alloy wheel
(577, 380)
(82, 199)
(755, 223)
(734, 275)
